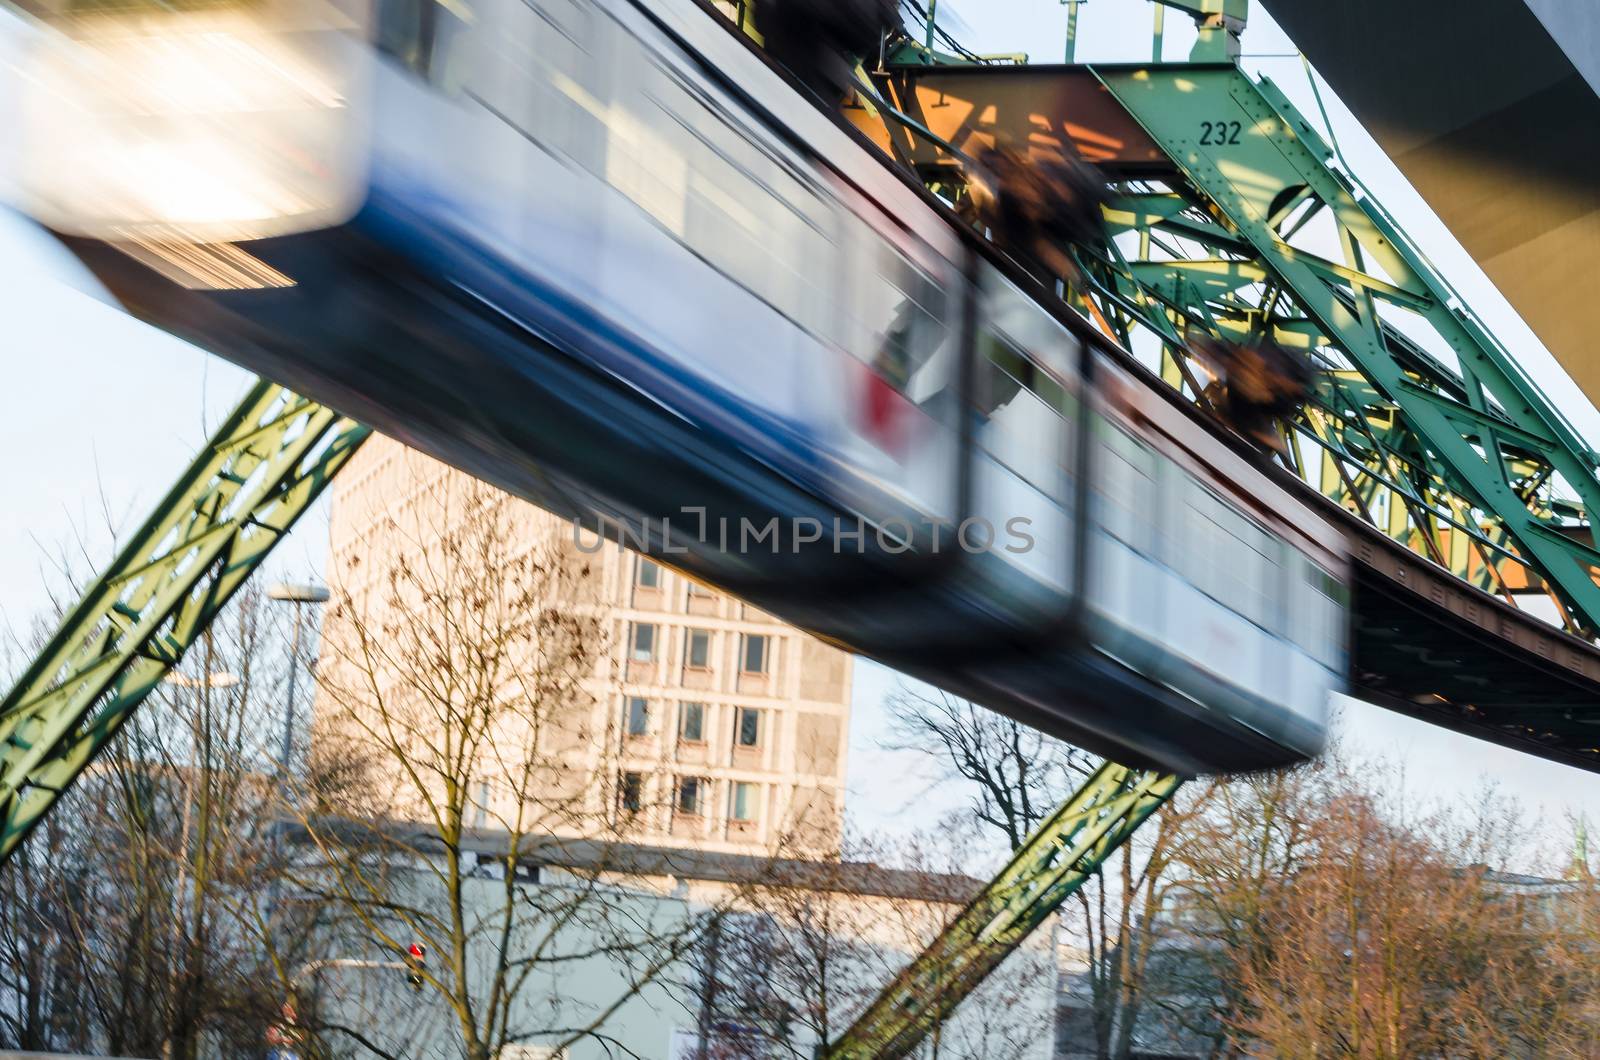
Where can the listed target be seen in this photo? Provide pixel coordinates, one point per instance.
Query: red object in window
(883, 413)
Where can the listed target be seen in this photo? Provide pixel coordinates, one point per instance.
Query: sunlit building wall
(713, 726)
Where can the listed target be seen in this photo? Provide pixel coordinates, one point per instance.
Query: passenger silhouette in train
(908, 346)
(819, 40)
(1037, 208)
(1255, 384)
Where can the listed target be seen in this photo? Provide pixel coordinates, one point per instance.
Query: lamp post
(1072, 29)
(204, 683)
(301, 595)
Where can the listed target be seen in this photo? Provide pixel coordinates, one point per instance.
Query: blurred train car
(602, 254)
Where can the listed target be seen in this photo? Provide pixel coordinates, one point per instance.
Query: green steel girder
(266, 464)
(1063, 852)
(1474, 447)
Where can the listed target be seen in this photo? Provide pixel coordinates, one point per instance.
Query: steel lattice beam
(1471, 462)
(1465, 463)
(257, 475)
(1050, 866)
(1230, 216)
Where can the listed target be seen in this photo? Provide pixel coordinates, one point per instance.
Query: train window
(1228, 557)
(1023, 431)
(1318, 619)
(1125, 485)
(426, 37)
(715, 188)
(1022, 415)
(534, 69)
(904, 310)
(405, 31)
(645, 161)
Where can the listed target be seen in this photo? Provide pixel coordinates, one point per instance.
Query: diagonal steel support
(1062, 853)
(1478, 431)
(257, 475)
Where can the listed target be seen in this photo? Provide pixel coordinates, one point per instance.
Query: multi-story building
(727, 727)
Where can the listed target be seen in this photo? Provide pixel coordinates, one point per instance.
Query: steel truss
(1061, 854)
(1422, 423)
(257, 475)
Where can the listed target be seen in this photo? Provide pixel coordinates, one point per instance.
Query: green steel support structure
(1421, 424)
(259, 473)
(1061, 854)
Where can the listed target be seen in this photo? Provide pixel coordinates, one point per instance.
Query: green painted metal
(1055, 860)
(1219, 23)
(263, 468)
(1427, 426)
(1421, 423)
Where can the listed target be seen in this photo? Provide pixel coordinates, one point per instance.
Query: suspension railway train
(603, 254)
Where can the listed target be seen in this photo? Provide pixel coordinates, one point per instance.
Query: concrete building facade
(715, 727)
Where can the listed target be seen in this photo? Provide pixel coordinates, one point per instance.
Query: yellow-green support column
(258, 474)
(1045, 871)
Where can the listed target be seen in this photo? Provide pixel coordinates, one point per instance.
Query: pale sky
(102, 413)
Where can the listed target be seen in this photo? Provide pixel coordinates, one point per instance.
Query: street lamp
(301, 595)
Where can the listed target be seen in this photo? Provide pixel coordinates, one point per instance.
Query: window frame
(630, 792)
(643, 564)
(683, 720)
(643, 713)
(651, 652)
(751, 812)
(745, 643)
(688, 649)
(700, 785)
(740, 713)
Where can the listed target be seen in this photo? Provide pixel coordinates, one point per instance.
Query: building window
(743, 801)
(647, 574)
(691, 795)
(757, 653)
(699, 650)
(632, 793)
(747, 733)
(692, 722)
(480, 816)
(638, 716)
(696, 589)
(643, 648)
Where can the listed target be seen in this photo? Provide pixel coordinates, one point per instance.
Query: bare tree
(811, 943)
(138, 911)
(1016, 776)
(469, 676)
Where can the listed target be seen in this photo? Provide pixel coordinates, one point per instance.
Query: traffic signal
(416, 961)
